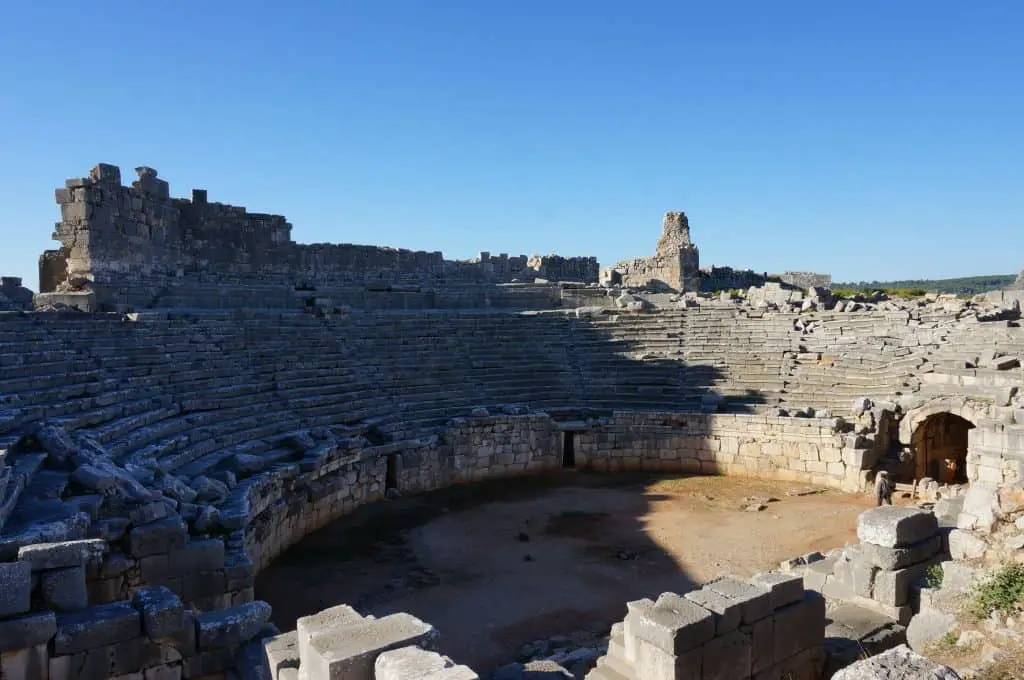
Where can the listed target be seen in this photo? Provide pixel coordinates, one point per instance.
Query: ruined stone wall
(714, 279)
(810, 450)
(130, 244)
(14, 297)
(675, 265)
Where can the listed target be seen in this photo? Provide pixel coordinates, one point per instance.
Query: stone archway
(939, 445)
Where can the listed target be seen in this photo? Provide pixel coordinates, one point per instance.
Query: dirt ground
(497, 565)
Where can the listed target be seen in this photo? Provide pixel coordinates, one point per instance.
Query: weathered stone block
(349, 652)
(323, 622)
(799, 626)
(893, 526)
(755, 599)
(281, 651)
(762, 643)
(413, 663)
(727, 657)
(231, 626)
(63, 554)
(161, 536)
(657, 664)
(205, 555)
(964, 545)
(27, 631)
(899, 558)
(727, 612)
(161, 610)
(786, 588)
(30, 663)
(15, 588)
(148, 512)
(64, 589)
(806, 665)
(673, 624)
(892, 588)
(96, 626)
(856, 574)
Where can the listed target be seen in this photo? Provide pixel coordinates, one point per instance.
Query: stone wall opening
(939, 445)
(391, 473)
(569, 449)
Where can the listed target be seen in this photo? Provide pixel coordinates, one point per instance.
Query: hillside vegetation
(968, 285)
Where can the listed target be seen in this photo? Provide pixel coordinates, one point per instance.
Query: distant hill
(968, 285)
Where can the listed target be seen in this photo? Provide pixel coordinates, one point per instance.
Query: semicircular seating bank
(161, 447)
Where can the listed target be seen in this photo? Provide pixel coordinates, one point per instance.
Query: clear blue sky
(872, 139)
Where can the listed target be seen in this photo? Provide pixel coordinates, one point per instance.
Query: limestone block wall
(811, 450)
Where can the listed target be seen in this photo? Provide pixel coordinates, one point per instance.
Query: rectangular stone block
(205, 555)
(96, 626)
(857, 574)
(15, 588)
(786, 588)
(806, 665)
(196, 586)
(323, 622)
(281, 651)
(673, 624)
(349, 652)
(892, 526)
(161, 610)
(231, 626)
(64, 589)
(212, 662)
(413, 663)
(755, 600)
(727, 657)
(27, 631)
(63, 554)
(891, 559)
(654, 663)
(799, 626)
(30, 663)
(726, 612)
(762, 643)
(892, 588)
(161, 536)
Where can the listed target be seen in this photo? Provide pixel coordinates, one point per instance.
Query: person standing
(883, 488)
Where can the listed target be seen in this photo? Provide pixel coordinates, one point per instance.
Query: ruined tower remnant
(674, 266)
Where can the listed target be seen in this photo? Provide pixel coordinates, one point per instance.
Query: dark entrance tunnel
(940, 448)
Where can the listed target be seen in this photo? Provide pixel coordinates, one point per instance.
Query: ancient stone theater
(192, 391)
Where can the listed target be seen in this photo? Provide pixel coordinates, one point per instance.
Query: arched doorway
(940, 448)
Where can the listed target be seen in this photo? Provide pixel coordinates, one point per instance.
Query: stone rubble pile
(898, 663)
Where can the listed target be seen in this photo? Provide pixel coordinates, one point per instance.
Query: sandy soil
(500, 564)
